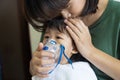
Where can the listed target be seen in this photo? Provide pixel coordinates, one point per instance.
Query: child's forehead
(49, 30)
(56, 28)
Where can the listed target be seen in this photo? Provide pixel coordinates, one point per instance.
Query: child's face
(60, 38)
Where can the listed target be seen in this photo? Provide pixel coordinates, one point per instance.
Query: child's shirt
(79, 71)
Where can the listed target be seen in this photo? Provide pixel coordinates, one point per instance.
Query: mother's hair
(44, 10)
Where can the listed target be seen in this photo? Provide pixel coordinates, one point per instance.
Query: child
(79, 70)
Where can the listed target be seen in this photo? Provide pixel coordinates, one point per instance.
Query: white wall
(34, 38)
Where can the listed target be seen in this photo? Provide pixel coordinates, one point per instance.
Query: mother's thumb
(40, 46)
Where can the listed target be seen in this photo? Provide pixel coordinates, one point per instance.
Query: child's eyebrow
(46, 31)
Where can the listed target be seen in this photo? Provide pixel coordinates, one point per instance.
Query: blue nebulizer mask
(58, 50)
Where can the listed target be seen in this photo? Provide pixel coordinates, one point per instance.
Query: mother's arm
(81, 36)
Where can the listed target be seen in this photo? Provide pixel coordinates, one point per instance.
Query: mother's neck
(92, 18)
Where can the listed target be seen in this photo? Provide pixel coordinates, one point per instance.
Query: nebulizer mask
(58, 50)
(52, 47)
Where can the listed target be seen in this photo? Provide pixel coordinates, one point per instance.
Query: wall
(34, 38)
(14, 41)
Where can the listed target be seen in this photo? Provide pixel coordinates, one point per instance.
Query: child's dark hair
(58, 24)
(44, 10)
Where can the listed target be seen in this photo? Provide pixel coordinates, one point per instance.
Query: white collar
(80, 71)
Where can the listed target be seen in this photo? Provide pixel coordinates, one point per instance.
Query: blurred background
(15, 49)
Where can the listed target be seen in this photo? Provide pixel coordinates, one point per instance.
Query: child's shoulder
(75, 65)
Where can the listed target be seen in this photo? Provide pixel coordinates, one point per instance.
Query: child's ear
(74, 51)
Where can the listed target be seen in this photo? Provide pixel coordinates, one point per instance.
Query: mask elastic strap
(68, 59)
(62, 49)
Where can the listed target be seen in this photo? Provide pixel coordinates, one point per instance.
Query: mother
(94, 26)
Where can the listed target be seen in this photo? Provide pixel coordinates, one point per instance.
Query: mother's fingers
(43, 53)
(78, 23)
(73, 34)
(73, 26)
(43, 71)
(77, 26)
(73, 30)
(42, 61)
(40, 46)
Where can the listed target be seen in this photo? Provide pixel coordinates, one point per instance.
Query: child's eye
(58, 37)
(46, 37)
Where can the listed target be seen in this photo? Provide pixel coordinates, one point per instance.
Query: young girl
(77, 70)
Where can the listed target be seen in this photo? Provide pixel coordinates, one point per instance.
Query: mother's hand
(80, 34)
(37, 62)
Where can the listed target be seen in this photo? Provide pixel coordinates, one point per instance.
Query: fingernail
(65, 20)
(69, 15)
(66, 26)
